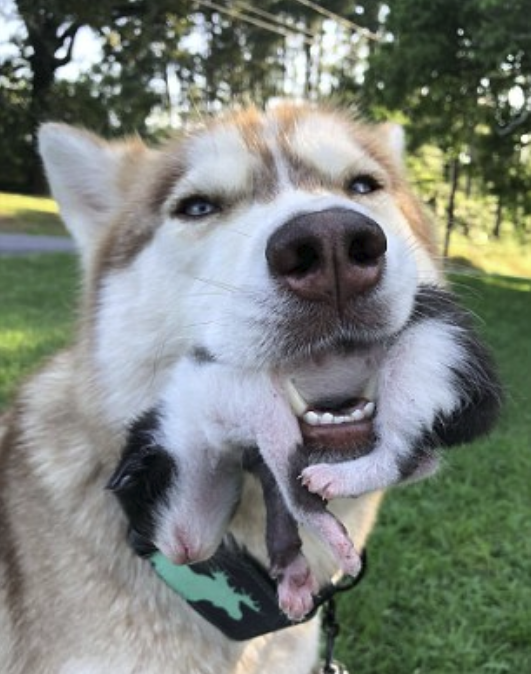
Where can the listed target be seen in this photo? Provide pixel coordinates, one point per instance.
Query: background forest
(456, 73)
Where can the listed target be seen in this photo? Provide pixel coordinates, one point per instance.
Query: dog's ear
(84, 173)
(396, 140)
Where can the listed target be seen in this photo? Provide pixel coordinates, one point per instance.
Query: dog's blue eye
(196, 207)
(363, 184)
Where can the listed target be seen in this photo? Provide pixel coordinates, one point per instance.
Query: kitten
(180, 476)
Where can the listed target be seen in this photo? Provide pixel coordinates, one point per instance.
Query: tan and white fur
(172, 245)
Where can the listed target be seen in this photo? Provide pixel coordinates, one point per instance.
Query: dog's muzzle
(328, 262)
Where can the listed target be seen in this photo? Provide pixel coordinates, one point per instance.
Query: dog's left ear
(86, 178)
(396, 140)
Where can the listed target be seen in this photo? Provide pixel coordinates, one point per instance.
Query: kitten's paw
(326, 480)
(296, 589)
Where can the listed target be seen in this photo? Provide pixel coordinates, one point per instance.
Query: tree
(129, 30)
(144, 44)
(449, 67)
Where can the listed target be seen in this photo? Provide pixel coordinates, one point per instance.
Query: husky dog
(285, 242)
(209, 412)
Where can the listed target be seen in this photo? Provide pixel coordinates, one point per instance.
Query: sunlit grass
(505, 256)
(29, 215)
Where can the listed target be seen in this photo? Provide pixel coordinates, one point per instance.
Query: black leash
(331, 631)
(330, 624)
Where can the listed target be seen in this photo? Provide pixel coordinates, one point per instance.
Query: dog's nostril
(307, 260)
(292, 254)
(367, 248)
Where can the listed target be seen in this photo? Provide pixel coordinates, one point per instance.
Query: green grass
(448, 588)
(29, 215)
(504, 256)
(37, 300)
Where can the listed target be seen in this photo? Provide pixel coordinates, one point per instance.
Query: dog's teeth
(297, 402)
(327, 418)
(357, 415)
(311, 418)
(371, 389)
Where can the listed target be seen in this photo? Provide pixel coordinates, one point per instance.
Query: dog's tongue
(356, 440)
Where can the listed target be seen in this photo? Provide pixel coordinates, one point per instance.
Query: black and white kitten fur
(179, 478)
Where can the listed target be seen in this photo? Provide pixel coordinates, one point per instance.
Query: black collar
(235, 593)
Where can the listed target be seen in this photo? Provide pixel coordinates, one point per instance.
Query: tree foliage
(457, 72)
(460, 73)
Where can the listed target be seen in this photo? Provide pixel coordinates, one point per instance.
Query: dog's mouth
(335, 402)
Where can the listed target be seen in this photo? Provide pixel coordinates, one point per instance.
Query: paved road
(22, 244)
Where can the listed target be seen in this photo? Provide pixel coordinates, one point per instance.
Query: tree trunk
(498, 219)
(45, 37)
(450, 221)
(468, 188)
(307, 70)
(44, 44)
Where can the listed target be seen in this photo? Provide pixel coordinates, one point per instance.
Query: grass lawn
(504, 256)
(448, 588)
(21, 214)
(37, 310)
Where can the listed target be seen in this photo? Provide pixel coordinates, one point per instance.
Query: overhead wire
(279, 27)
(272, 23)
(340, 19)
(236, 14)
(275, 19)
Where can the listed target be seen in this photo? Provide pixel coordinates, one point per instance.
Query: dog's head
(284, 240)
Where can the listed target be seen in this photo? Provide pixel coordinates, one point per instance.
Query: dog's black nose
(328, 256)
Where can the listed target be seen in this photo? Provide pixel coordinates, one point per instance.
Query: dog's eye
(363, 184)
(196, 207)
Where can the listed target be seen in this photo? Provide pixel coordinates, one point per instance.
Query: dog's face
(283, 241)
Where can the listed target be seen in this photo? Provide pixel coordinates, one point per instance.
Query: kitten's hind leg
(296, 582)
(278, 436)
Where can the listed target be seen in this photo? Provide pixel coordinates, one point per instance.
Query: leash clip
(331, 630)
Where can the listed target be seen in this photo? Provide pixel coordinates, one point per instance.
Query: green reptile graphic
(197, 587)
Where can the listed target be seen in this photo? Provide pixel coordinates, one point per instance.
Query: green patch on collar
(195, 586)
(231, 590)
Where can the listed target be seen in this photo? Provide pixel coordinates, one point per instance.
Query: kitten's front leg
(437, 388)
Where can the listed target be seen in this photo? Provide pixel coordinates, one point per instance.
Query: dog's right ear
(396, 140)
(85, 174)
